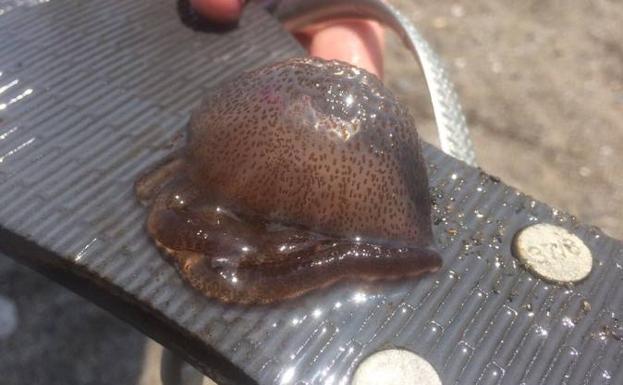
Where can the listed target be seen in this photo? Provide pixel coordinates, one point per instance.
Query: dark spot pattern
(294, 176)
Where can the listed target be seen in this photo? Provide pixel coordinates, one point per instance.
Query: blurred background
(541, 82)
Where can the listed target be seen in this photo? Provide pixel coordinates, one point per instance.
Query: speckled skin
(294, 176)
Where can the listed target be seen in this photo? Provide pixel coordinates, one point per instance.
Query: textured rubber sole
(92, 93)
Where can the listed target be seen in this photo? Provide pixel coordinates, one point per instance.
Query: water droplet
(567, 322)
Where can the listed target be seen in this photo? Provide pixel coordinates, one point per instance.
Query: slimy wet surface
(294, 176)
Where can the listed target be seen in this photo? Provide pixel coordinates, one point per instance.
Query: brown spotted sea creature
(294, 176)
